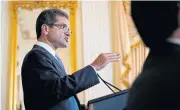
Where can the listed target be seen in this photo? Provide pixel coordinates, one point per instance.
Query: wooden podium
(115, 101)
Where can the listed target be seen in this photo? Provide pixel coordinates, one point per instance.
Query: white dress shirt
(47, 47)
(174, 40)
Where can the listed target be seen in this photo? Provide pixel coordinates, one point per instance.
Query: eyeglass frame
(62, 26)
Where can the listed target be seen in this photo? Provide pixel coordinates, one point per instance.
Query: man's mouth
(66, 39)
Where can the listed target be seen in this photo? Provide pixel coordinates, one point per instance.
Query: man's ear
(44, 29)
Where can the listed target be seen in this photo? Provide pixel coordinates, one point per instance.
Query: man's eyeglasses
(63, 26)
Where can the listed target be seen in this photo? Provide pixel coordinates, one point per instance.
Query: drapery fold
(127, 42)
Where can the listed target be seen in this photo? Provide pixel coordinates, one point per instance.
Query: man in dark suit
(45, 82)
(157, 87)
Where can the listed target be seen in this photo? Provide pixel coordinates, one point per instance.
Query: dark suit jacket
(157, 87)
(45, 85)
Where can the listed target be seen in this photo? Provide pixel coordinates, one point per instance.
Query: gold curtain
(127, 42)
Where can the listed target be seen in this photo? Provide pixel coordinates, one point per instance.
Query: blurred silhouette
(157, 87)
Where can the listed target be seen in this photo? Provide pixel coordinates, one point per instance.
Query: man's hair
(155, 20)
(48, 17)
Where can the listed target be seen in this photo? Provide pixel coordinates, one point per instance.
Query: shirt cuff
(94, 68)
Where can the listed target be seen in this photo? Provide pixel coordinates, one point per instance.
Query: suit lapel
(51, 57)
(55, 60)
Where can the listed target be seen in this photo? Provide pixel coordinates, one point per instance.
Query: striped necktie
(60, 61)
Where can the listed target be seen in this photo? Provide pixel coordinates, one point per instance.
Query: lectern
(115, 101)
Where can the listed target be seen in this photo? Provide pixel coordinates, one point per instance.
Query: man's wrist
(94, 68)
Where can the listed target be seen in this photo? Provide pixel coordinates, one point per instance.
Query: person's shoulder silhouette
(157, 86)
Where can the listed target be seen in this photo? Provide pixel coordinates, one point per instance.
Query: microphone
(108, 84)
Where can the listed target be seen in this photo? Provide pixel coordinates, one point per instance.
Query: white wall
(0, 47)
(96, 40)
(5, 50)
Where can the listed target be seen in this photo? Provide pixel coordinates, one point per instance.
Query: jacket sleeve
(62, 88)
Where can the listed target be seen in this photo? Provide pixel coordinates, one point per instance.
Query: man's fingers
(114, 56)
(111, 54)
(114, 53)
(114, 60)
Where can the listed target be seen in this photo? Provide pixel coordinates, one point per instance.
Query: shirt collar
(174, 40)
(47, 47)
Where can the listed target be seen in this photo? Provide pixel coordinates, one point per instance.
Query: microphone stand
(108, 84)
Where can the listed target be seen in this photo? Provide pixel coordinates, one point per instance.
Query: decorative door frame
(30, 5)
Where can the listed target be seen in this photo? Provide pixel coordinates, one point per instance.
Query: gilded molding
(30, 5)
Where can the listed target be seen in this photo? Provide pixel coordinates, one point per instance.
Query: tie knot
(56, 56)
